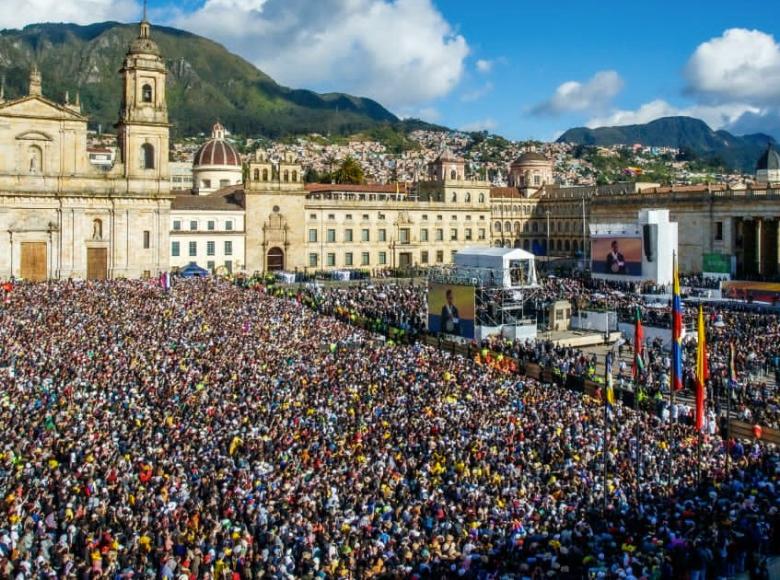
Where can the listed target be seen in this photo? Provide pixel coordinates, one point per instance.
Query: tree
(349, 171)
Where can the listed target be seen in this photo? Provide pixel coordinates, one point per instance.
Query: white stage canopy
(506, 267)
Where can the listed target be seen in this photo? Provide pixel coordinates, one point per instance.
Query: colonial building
(61, 216)
(292, 226)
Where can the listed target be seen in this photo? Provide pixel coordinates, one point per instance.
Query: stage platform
(578, 339)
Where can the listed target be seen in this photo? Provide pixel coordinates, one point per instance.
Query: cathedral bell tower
(143, 128)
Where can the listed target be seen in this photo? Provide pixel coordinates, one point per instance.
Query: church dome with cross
(216, 164)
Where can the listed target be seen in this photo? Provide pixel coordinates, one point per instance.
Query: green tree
(349, 171)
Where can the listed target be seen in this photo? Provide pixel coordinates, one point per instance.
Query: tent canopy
(192, 270)
(507, 267)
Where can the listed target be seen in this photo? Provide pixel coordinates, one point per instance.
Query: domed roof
(770, 160)
(144, 43)
(217, 151)
(529, 156)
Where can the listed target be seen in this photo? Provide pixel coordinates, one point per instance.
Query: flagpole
(607, 387)
(638, 353)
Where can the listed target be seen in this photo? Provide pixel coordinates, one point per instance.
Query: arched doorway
(275, 260)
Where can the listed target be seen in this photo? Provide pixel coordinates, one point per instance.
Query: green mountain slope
(206, 82)
(719, 147)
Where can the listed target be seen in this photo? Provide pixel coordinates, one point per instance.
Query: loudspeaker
(650, 239)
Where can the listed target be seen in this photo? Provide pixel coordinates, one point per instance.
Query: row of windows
(285, 175)
(404, 235)
(211, 225)
(192, 248)
(382, 216)
(349, 259)
(541, 245)
(206, 183)
(536, 227)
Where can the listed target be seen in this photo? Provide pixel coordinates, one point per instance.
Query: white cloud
(477, 93)
(740, 65)
(716, 116)
(19, 13)
(400, 52)
(592, 95)
(484, 66)
(481, 125)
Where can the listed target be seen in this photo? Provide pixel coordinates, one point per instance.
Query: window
(147, 156)
(403, 234)
(424, 235)
(467, 197)
(313, 260)
(719, 231)
(439, 218)
(481, 198)
(439, 235)
(365, 235)
(383, 235)
(424, 256)
(347, 235)
(205, 184)
(481, 233)
(382, 216)
(468, 218)
(364, 259)
(256, 174)
(537, 179)
(295, 176)
(382, 258)
(454, 218)
(482, 218)
(210, 225)
(331, 259)
(228, 248)
(453, 235)
(175, 249)
(348, 216)
(348, 259)
(265, 175)
(440, 256)
(210, 265)
(331, 216)
(365, 216)
(286, 175)
(497, 227)
(211, 248)
(176, 225)
(146, 93)
(229, 225)
(312, 235)
(454, 197)
(147, 239)
(193, 225)
(229, 266)
(453, 174)
(331, 236)
(312, 216)
(224, 183)
(425, 217)
(193, 249)
(468, 234)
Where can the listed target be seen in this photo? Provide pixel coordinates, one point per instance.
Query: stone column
(759, 223)
(769, 247)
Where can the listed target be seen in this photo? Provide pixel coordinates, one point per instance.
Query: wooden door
(34, 262)
(405, 259)
(97, 263)
(275, 260)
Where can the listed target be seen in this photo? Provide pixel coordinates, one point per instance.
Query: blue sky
(518, 68)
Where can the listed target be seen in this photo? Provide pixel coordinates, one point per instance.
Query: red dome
(217, 152)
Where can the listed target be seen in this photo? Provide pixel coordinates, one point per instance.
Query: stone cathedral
(60, 216)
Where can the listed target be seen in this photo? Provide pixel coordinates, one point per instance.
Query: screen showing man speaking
(616, 256)
(451, 310)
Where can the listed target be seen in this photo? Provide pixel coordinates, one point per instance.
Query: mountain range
(685, 133)
(206, 83)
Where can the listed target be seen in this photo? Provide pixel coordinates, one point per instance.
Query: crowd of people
(215, 431)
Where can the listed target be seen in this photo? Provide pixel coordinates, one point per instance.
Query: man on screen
(616, 263)
(450, 319)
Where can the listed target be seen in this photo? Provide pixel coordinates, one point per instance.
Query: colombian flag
(702, 372)
(677, 328)
(610, 387)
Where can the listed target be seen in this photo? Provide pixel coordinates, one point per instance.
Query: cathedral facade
(62, 217)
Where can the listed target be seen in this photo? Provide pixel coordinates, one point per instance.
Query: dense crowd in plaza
(215, 431)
